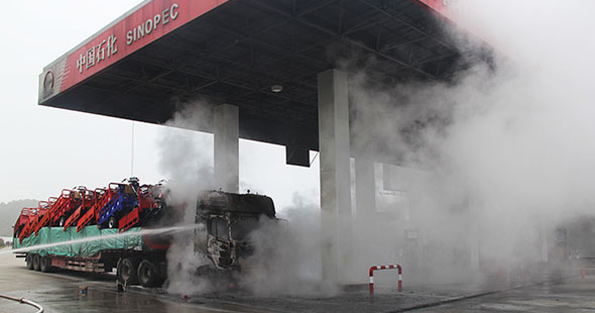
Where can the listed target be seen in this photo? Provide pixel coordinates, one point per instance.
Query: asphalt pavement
(60, 292)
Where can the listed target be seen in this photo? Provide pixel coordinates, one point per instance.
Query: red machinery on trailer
(150, 199)
(127, 204)
(59, 209)
(23, 231)
(22, 221)
(102, 197)
(122, 205)
(88, 201)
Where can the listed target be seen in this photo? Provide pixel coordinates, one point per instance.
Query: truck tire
(126, 272)
(36, 262)
(112, 222)
(45, 264)
(148, 275)
(29, 261)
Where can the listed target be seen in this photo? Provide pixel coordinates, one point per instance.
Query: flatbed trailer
(109, 231)
(138, 258)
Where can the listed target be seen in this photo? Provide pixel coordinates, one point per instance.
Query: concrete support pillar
(226, 147)
(335, 178)
(365, 187)
(544, 242)
(475, 246)
(387, 181)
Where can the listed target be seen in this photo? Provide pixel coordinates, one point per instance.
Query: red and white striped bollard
(386, 267)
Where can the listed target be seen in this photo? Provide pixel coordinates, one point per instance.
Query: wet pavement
(59, 292)
(577, 295)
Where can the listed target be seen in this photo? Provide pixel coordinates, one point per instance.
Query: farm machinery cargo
(127, 226)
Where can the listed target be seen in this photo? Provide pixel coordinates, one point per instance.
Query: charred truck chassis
(229, 219)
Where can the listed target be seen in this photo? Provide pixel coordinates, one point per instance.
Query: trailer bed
(87, 243)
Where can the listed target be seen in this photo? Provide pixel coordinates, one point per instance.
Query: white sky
(45, 149)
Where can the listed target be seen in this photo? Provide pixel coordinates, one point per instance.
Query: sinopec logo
(48, 84)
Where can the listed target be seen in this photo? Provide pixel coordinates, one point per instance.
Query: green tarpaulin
(86, 243)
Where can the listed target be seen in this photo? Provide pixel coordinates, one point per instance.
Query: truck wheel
(29, 261)
(62, 221)
(147, 274)
(45, 264)
(112, 223)
(126, 271)
(36, 262)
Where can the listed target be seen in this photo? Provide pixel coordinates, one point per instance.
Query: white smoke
(505, 149)
(187, 161)
(507, 144)
(287, 254)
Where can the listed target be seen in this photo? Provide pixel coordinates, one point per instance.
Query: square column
(475, 245)
(543, 241)
(365, 187)
(226, 131)
(335, 178)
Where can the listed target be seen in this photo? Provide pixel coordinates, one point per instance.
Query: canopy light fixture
(276, 88)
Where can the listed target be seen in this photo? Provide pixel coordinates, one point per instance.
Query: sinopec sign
(125, 36)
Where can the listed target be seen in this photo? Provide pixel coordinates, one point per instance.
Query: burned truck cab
(229, 219)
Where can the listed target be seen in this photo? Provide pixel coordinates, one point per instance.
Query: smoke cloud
(490, 162)
(186, 159)
(287, 254)
(284, 251)
(505, 147)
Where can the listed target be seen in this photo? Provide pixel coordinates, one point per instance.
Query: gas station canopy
(260, 55)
